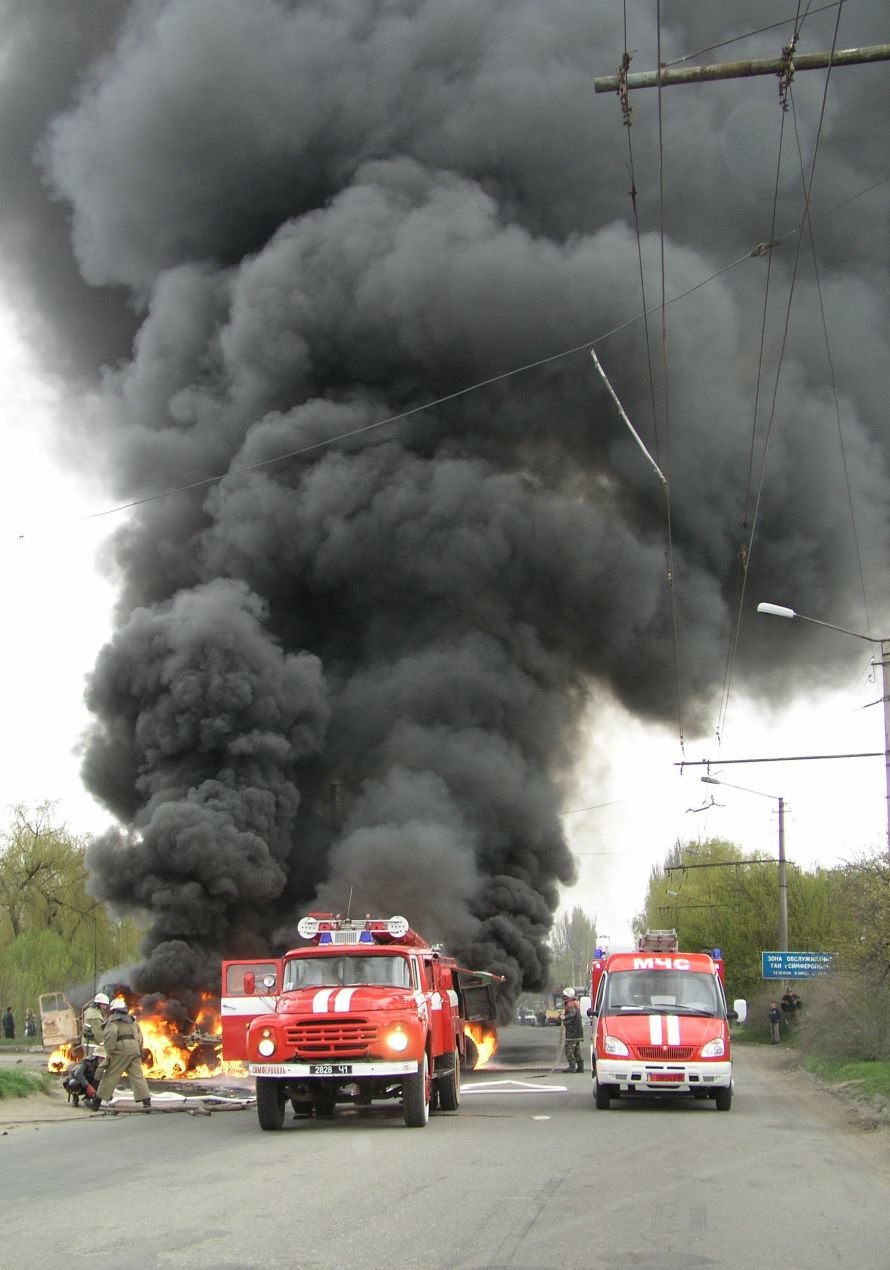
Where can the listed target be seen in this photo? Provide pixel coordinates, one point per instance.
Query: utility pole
(784, 66)
(783, 882)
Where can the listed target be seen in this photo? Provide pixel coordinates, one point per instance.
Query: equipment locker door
(249, 989)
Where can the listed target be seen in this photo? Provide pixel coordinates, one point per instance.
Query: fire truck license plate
(666, 1076)
(330, 1069)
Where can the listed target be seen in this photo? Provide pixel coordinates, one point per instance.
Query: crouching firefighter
(80, 1081)
(123, 1057)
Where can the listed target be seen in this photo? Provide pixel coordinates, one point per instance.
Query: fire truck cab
(366, 1011)
(661, 1023)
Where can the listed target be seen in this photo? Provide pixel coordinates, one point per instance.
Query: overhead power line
(666, 77)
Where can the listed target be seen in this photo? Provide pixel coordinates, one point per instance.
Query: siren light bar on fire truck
(325, 928)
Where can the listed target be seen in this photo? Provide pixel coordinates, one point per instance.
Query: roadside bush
(846, 1015)
(19, 1084)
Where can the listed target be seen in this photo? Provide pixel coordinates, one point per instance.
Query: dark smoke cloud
(355, 678)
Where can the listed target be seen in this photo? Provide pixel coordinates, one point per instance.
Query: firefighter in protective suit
(93, 1030)
(123, 1056)
(574, 1031)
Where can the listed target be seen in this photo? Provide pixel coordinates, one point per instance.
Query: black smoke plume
(354, 677)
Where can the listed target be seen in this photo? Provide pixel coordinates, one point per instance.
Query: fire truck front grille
(666, 1053)
(327, 1037)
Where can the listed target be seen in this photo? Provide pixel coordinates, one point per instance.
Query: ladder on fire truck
(661, 941)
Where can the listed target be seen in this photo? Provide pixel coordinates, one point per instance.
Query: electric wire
(807, 192)
(735, 39)
(834, 393)
(669, 569)
(760, 249)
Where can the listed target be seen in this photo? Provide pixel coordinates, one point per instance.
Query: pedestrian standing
(574, 1031)
(30, 1023)
(9, 1024)
(774, 1014)
(123, 1056)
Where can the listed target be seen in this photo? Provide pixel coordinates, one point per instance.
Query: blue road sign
(795, 965)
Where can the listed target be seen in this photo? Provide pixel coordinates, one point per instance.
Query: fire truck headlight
(617, 1048)
(266, 1047)
(714, 1049)
(397, 1040)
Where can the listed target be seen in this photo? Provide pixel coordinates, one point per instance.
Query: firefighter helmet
(569, 992)
(101, 998)
(118, 1004)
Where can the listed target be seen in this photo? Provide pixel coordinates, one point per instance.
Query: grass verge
(871, 1079)
(15, 1084)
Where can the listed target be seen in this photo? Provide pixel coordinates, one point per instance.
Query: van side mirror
(739, 1011)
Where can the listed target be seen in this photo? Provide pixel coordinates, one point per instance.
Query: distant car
(526, 1017)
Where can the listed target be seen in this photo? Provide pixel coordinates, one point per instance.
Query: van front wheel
(723, 1098)
(602, 1096)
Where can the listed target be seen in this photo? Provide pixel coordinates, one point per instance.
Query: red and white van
(661, 1024)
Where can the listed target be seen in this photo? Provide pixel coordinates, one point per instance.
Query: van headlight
(266, 1047)
(714, 1049)
(618, 1049)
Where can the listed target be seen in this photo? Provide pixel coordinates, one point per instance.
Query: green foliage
(717, 896)
(19, 1084)
(860, 901)
(870, 1079)
(573, 941)
(52, 932)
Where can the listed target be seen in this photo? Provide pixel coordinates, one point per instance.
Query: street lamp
(779, 610)
(783, 878)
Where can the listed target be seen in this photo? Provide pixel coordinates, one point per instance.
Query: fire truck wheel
(269, 1102)
(602, 1095)
(723, 1098)
(448, 1082)
(416, 1096)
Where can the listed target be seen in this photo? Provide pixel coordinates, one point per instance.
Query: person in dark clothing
(9, 1024)
(790, 1003)
(574, 1031)
(774, 1015)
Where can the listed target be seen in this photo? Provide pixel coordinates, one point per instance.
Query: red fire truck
(660, 1023)
(366, 1011)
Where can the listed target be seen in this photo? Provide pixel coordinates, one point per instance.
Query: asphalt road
(526, 1175)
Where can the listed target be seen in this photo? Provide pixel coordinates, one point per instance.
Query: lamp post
(783, 877)
(779, 610)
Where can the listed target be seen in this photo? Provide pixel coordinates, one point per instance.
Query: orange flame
(486, 1041)
(63, 1056)
(170, 1055)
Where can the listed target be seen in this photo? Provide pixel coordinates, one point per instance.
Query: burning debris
(176, 1048)
(485, 1042)
(360, 670)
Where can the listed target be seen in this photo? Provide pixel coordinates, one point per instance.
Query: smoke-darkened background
(238, 231)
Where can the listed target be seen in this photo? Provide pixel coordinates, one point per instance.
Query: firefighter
(93, 1027)
(123, 1056)
(574, 1031)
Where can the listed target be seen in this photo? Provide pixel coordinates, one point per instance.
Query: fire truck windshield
(342, 972)
(664, 991)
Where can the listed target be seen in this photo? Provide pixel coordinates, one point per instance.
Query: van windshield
(343, 972)
(663, 992)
